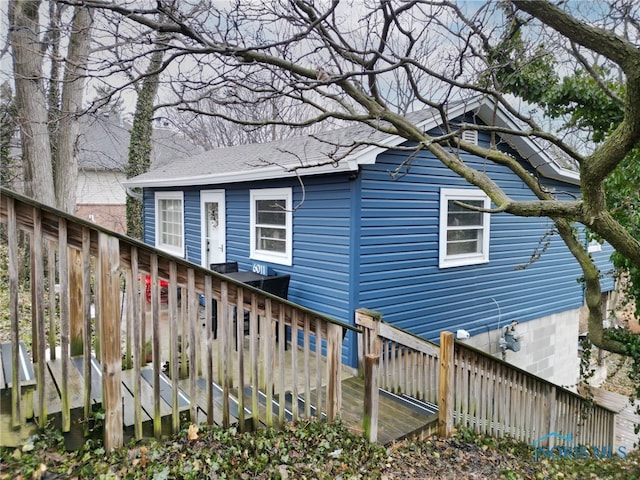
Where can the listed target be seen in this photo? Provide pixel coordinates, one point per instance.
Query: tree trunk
(66, 173)
(53, 97)
(31, 100)
(141, 133)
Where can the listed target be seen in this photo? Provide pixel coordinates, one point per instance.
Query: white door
(212, 209)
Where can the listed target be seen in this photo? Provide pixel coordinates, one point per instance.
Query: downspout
(130, 193)
(138, 196)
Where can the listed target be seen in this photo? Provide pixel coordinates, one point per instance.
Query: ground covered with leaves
(305, 450)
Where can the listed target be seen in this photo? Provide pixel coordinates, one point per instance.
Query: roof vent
(470, 136)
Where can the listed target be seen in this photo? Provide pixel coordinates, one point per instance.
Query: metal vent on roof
(470, 136)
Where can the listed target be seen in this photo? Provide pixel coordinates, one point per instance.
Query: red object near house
(164, 289)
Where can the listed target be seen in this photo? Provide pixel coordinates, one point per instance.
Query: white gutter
(266, 173)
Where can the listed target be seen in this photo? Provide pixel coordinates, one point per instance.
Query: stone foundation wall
(549, 347)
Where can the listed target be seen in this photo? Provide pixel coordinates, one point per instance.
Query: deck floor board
(146, 398)
(52, 397)
(395, 420)
(201, 400)
(75, 382)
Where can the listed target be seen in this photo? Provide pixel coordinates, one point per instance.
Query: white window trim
(462, 194)
(263, 255)
(179, 252)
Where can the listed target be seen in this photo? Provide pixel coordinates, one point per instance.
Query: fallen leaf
(143, 457)
(192, 433)
(37, 474)
(284, 474)
(336, 453)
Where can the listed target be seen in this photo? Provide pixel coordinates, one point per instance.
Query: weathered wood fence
(475, 389)
(74, 266)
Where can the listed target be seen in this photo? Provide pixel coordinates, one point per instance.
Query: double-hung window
(464, 232)
(169, 222)
(271, 225)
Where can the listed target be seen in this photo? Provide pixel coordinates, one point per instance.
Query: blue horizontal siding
(398, 252)
(149, 217)
(373, 242)
(605, 267)
(192, 226)
(320, 273)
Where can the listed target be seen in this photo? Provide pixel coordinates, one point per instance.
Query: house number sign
(259, 268)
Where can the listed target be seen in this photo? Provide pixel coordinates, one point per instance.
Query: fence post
(109, 299)
(371, 397)
(553, 412)
(369, 341)
(76, 301)
(12, 240)
(63, 268)
(445, 407)
(334, 368)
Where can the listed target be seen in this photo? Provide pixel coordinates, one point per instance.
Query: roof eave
(528, 149)
(268, 173)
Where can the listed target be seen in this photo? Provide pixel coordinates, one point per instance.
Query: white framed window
(464, 233)
(170, 222)
(271, 225)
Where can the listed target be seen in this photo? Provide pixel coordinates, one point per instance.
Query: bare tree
(66, 162)
(349, 61)
(31, 101)
(196, 120)
(8, 127)
(139, 160)
(50, 173)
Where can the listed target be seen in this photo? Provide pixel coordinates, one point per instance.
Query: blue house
(368, 223)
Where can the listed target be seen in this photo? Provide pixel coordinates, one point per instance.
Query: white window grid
(271, 223)
(474, 232)
(170, 222)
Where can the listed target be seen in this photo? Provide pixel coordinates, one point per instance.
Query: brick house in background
(103, 147)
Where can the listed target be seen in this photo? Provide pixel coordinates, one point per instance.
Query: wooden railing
(477, 390)
(93, 268)
(407, 364)
(494, 397)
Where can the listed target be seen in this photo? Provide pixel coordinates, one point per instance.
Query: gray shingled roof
(352, 146)
(103, 144)
(277, 158)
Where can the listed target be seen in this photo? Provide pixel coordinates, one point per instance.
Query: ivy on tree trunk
(140, 142)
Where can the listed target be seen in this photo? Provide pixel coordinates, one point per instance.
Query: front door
(213, 227)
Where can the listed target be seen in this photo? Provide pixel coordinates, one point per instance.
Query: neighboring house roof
(103, 144)
(349, 147)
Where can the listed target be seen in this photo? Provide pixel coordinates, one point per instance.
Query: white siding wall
(549, 347)
(100, 188)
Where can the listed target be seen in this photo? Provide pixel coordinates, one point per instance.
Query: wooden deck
(76, 387)
(626, 418)
(398, 418)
